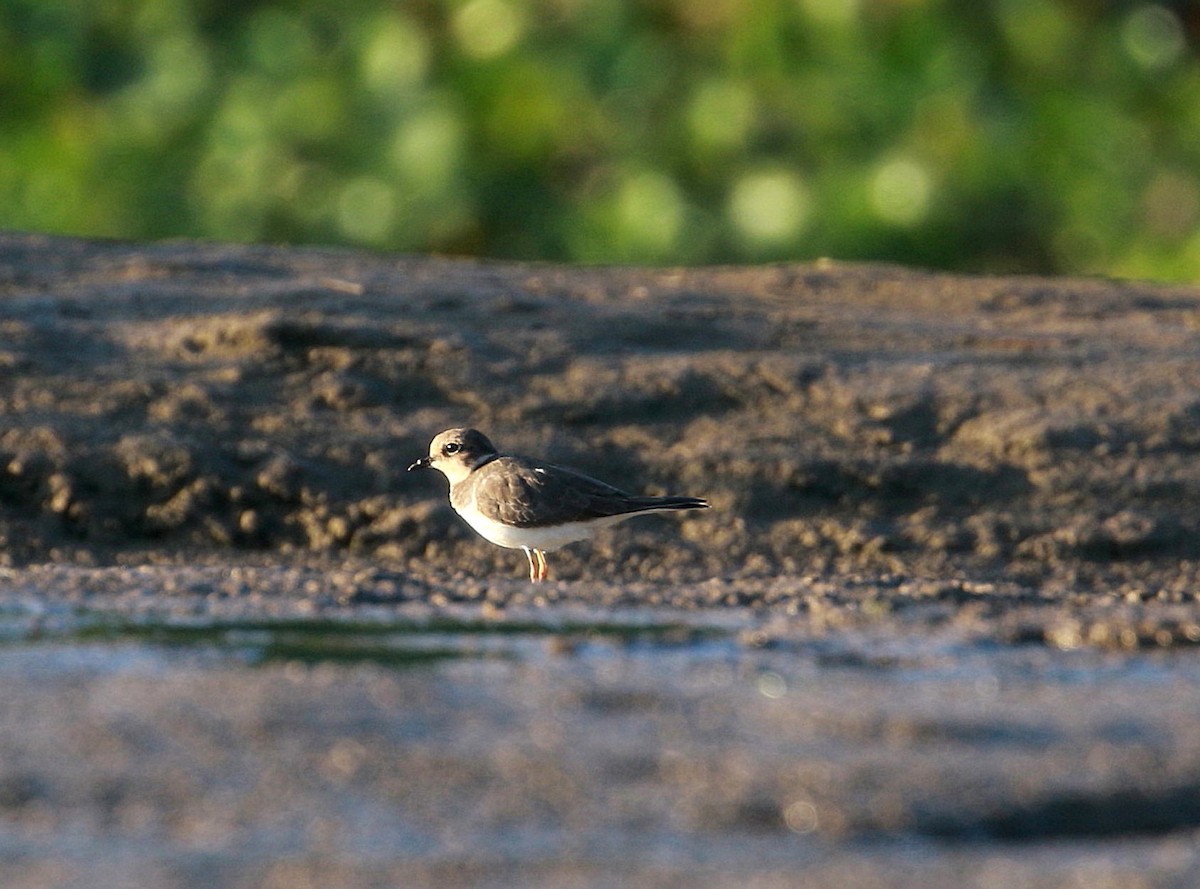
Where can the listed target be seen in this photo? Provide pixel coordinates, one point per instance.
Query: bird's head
(456, 453)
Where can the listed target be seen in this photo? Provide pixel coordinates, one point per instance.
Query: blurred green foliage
(1009, 135)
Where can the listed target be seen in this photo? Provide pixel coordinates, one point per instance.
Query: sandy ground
(939, 628)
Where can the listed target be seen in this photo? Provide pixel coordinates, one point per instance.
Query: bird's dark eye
(451, 447)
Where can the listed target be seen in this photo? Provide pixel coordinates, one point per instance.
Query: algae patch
(394, 641)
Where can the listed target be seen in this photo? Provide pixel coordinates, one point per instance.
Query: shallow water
(371, 637)
(179, 746)
(379, 636)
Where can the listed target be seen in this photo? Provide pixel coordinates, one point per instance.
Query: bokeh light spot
(721, 113)
(366, 209)
(772, 685)
(427, 148)
(831, 12)
(486, 29)
(901, 189)
(801, 817)
(1153, 36)
(769, 207)
(649, 213)
(396, 56)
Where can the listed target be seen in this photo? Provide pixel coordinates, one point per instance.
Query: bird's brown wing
(527, 494)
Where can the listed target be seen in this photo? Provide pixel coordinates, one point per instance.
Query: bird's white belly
(545, 538)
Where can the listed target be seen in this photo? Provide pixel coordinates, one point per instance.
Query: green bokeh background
(1058, 136)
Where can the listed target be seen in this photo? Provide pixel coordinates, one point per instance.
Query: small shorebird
(525, 504)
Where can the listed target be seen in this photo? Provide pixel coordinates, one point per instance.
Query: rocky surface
(939, 628)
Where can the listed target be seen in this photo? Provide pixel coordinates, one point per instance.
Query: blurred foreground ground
(938, 630)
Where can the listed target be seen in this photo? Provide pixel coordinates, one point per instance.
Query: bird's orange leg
(533, 566)
(543, 568)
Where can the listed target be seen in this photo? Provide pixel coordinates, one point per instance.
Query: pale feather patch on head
(456, 453)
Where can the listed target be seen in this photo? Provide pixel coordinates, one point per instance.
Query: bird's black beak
(423, 463)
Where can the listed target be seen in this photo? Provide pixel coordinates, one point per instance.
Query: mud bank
(168, 399)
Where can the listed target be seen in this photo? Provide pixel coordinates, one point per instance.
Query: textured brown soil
(167, 399)
(954, 532)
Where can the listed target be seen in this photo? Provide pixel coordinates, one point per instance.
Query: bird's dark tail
(641, 504)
